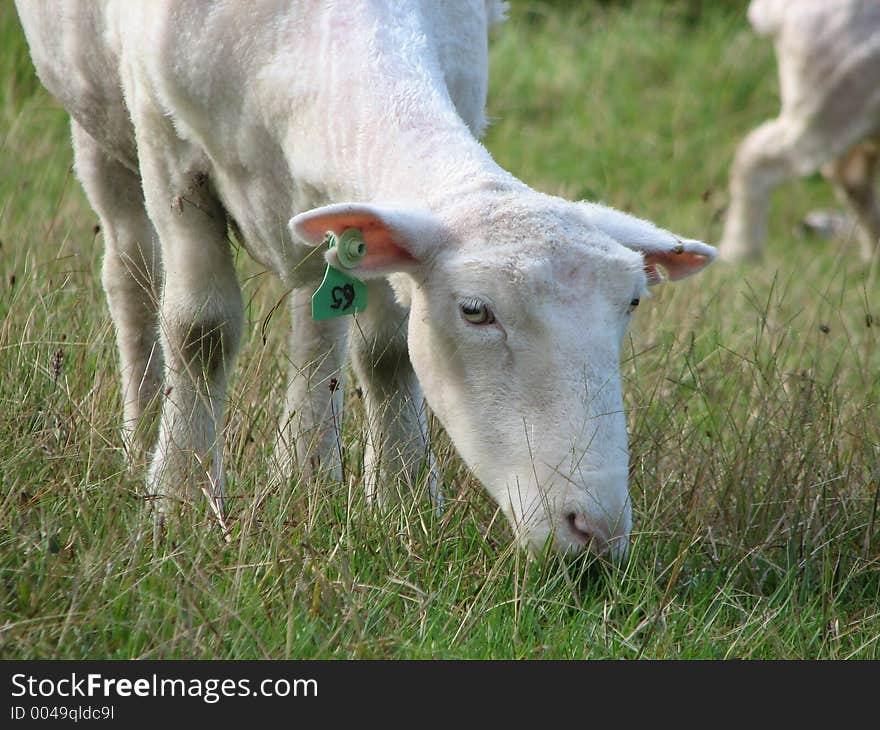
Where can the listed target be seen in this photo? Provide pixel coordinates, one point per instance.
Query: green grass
(752, 399)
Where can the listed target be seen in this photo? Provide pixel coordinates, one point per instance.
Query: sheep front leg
(201, 317)
(200, 330)
(397, 449)
(311, 430)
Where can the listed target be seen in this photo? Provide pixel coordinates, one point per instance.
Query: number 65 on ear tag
(340, 293)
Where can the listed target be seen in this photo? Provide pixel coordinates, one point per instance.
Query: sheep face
(515, 330)
(519, 357)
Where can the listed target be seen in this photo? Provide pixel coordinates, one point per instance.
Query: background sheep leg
(765, 159)
(853, 176)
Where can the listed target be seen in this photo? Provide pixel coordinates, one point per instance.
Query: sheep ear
(680, 257)
(397, 238)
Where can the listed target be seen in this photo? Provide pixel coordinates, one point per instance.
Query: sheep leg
(201, 316)
(397, 447)
(131, 275)
(310, 434)
(766, 158)
(853, 176)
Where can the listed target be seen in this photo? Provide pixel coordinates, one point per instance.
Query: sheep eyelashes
(340, 293)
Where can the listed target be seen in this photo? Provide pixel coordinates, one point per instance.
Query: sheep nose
(587, 533)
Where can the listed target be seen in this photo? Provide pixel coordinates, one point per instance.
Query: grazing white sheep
(828, 54)
(505, 306)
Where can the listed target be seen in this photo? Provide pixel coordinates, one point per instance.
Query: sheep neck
(388, 129)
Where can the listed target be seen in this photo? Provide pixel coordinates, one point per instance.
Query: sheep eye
(476, 312)
(633, 304)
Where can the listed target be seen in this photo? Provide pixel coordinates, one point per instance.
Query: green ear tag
(340, 293)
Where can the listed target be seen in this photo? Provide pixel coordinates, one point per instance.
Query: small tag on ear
(340, 293)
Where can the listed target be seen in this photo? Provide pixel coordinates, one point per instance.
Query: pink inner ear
(677, 265)
(315, 227)
(383, 253)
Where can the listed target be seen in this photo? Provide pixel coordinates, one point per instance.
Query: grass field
(752, 396)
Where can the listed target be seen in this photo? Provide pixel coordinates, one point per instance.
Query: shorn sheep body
(502, 307)
(828, 55)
